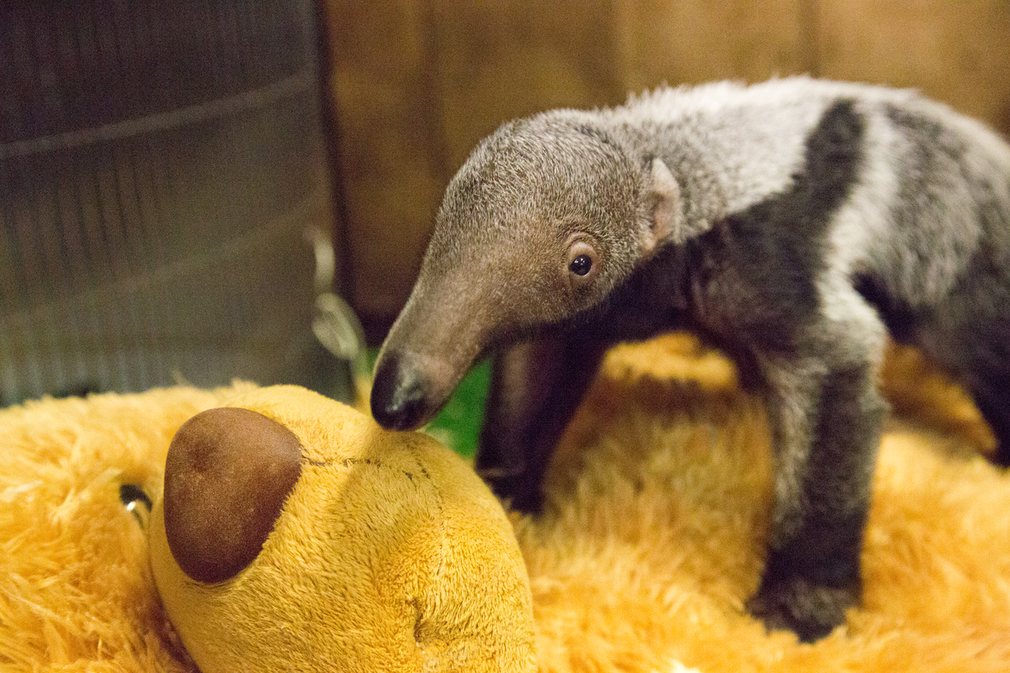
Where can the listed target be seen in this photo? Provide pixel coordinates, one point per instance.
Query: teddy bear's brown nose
(227, 475)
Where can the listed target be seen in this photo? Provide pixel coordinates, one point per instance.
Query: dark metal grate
(162, 172)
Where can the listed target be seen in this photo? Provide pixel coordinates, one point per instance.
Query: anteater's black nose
(398, 394)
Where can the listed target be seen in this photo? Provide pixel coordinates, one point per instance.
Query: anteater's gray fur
(793, 222)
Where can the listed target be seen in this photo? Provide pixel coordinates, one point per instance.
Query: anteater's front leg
(826, 415)
(536, 388)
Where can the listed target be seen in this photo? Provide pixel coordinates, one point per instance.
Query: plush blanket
(651, 541)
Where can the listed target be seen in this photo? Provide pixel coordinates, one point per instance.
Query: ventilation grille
(162, 182)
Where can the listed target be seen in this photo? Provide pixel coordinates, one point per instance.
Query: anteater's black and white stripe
(794, 222)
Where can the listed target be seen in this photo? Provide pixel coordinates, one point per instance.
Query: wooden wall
(416, 83)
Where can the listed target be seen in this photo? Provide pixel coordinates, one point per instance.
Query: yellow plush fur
(651, 541)
(658, 509)
(75, 590)
(369, 504)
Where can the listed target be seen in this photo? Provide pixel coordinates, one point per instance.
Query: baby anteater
(794, 223)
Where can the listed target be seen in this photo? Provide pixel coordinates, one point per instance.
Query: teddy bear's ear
(227, 476)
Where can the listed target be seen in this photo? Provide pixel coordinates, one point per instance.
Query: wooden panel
(958, 52)
(389, 160)
(698, 40)
(416, 83)
(415, 86)
(505, 59)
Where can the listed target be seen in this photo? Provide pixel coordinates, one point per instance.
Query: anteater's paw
(809, 610)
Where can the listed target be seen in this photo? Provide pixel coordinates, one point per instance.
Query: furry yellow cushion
(649, 545)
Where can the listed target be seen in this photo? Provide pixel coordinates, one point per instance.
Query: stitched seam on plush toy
(375, 462)
(440, 568)
(349, 462)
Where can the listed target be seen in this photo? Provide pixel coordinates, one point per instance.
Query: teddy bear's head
(295, 534)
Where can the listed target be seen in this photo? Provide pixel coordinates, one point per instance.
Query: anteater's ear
(662, 206)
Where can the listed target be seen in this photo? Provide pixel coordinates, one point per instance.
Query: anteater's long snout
(421, 362)
(435, 340)
(401, 394)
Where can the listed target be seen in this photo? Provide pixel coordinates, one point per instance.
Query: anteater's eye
(581, 265)
(583, 261)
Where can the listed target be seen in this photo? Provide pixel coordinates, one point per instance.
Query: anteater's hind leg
(970, 335)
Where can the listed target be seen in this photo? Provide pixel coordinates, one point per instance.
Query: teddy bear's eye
(581, 265)
(136, 501)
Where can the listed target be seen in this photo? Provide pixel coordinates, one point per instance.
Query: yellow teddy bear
(283, 542)
(295, 535)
